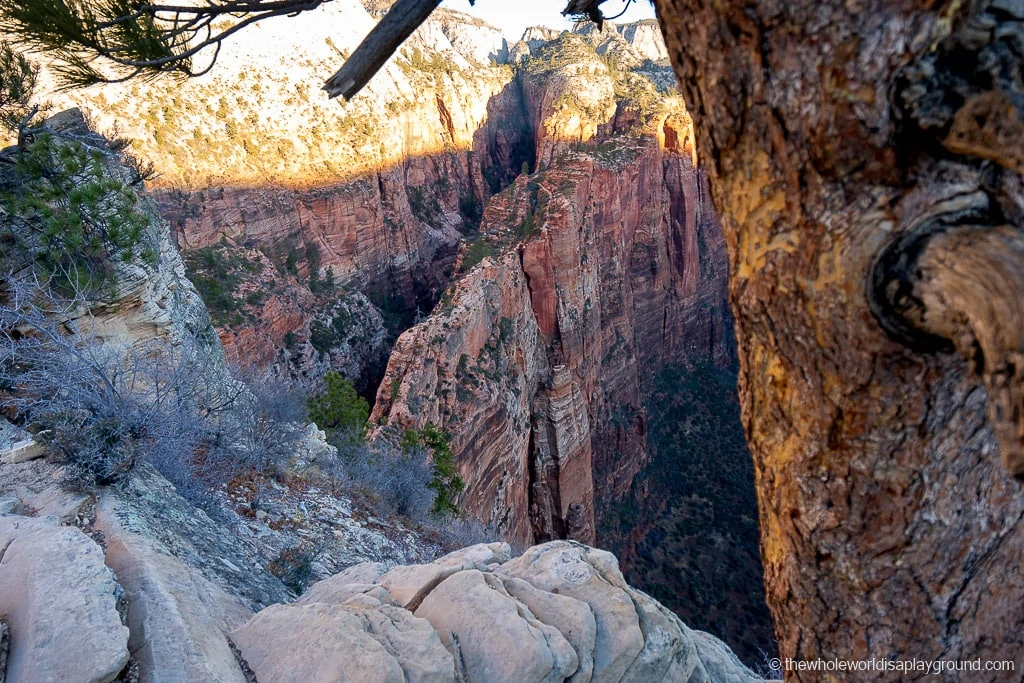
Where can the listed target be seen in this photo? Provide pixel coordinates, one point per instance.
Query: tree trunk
(835, 132)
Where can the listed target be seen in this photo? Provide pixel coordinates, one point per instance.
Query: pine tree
(338, 409)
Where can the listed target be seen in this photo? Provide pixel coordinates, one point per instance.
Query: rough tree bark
(836, 132)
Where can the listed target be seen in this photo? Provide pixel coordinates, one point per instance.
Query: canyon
(533, 214)
(281, 575)
(849, 147)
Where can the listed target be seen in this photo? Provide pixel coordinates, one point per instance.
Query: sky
(513, 16)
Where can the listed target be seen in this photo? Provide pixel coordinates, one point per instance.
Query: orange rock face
(391, 234)
(365, 230)
(535, 364)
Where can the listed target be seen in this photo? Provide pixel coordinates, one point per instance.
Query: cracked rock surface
(559, 612)
(58, 600)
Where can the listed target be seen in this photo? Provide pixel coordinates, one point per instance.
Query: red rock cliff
(535, 364)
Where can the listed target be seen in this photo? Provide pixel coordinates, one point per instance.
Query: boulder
(495, 637)
(409, 584)
(411, 641)
(573, 618)
(322, 643)
(178, 618)
(58, 599)
(569, 569)
(338, 588)
(22, 451)
(560, 612)
(318, 643)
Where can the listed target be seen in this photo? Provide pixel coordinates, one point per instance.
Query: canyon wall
(601, 270)
(379, 191)
(535, 361)
(544, 222)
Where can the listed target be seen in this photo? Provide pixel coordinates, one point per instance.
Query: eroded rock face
(59, 601)
(366, 230)
(268, 317)
(151, 298)
(560, 612)
(535, 364)
(177, 616)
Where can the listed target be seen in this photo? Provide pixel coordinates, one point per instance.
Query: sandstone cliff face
(394, 233)
(644, 37)
(258, 119)
(151, 299)
(365, 230)
(632, 43)
(540, 362)
(266, 316)
(535, 364)
(535, 356)
(381, 188)
(379, 193)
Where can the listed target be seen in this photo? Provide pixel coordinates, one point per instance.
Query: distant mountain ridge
(259, 117)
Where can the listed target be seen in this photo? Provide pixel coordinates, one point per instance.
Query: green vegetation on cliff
(68, 215)
(445, 481)
(217, 274)
(338, 409)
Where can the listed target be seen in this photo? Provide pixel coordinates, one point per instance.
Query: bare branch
(130, 39)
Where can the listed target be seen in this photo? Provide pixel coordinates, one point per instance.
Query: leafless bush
(102, 404)
(268, 419)
(462, 532)
(141, 171)
(105, 405)
(392, 480)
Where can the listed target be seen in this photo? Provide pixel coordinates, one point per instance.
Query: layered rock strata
(535, 363)
(150, 298)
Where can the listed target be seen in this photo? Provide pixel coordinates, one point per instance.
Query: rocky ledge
(559, 612)
(93, 589)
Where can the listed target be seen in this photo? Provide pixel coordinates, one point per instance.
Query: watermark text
(882, 665)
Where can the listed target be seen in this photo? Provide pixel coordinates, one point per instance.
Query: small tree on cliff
(445, 481)
(18, 79)
(339, 410)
